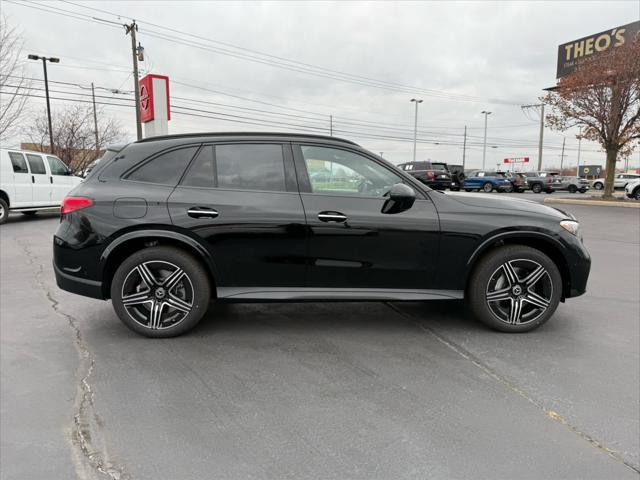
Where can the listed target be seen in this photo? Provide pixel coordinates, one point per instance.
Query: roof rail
(245, 134)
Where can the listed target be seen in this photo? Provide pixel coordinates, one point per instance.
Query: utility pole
(484, 148)
(95, 118)
(331, 125)
(46, 89)
(135, 51)
(562, 154)
(541, 139)
(381, 154)
(415, 127)
(464, 148)
(579, 144)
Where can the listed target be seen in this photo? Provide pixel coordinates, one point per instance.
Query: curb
(598, 203)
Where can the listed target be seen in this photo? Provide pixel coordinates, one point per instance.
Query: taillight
(71, 204)
(430, 174)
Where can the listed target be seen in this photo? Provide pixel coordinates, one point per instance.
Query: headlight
(571, 226)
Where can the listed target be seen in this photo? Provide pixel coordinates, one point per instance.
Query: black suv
(163, 225)
(434, 175)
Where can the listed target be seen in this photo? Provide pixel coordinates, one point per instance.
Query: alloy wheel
(157, 294)
(519, 291)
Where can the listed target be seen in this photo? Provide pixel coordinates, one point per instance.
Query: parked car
(572, 184)
(487, 181)
(542, 181)
(632, 189)
(165, 224)
(518, 181)
(32, 181)
(620, 180)
(432, 175)
(456, 172)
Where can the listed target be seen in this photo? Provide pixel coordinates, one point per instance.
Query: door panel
(371, 249)
(241, 198)
(22, 181)
(256, 239)
(352, 244)
(40, 179)
(61, 179)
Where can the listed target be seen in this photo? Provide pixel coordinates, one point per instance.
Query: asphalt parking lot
(327, 391)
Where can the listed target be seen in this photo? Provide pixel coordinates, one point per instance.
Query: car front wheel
(636, 194)
(4, 211)
(160, 292)
(536, 188)
(487, 187)
(598, 185)
(514, 288)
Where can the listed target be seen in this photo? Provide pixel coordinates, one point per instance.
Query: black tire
(573, 189)
(636, 193)
(536, 188)
(192, 290)
(548, 191)
(497, 313)
(29, 213)
(4, 211)
(487, 187)
(598, 185)
(468, 189)
(583, 190)
(507, 190)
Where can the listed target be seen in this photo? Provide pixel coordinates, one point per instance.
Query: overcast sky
(465, 57)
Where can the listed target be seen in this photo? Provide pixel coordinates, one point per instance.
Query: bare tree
(74, 135)
(602, 96)
(13, 83)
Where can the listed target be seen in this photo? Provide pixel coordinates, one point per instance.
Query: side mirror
(401, 198)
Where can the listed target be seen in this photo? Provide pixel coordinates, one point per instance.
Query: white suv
(620, 180)
(632, 189)
(32, 181)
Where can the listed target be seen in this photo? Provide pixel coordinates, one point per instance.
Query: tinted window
(332, 170)
(201, 172)
(250, 167)
(57, 167)
(18, 162)
(36, 164)
(166, 168)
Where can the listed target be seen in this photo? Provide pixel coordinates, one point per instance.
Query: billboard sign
(517, 160)
(590, 171)
(573, 53)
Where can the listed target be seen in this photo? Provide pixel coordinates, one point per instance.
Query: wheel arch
(5, 196)
(131, 242)
(538, 240)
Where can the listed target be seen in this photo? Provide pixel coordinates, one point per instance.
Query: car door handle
(202, 212)
(332, 217)
(33, 179)
(50, 179)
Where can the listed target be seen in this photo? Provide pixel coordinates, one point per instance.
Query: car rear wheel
(598, 185)
(583, 190)
(573, 189)
(514, 288)
(4, 211)
(160, 292)
(536, 188)
(636, 193)
(468, 189)
(487, 187)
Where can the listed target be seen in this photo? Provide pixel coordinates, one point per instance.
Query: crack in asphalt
(86, 423)
(467, 355)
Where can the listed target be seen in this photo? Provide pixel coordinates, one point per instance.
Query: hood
(507, 203)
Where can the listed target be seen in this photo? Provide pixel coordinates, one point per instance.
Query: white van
(32, 181)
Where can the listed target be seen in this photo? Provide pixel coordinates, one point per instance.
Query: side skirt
(241, 294)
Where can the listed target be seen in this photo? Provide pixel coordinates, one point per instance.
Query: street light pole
(415, 127)
(484, 148)
(579, 144)
(46, 90)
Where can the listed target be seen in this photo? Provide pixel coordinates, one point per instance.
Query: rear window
(18, 162)
(166, 168)
(36, 164)
(250, 167)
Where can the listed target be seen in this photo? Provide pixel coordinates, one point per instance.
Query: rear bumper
(79, 286)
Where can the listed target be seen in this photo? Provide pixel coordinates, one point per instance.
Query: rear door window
(250, 167)
(166, 168)
(36, 164)
(18, 162)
